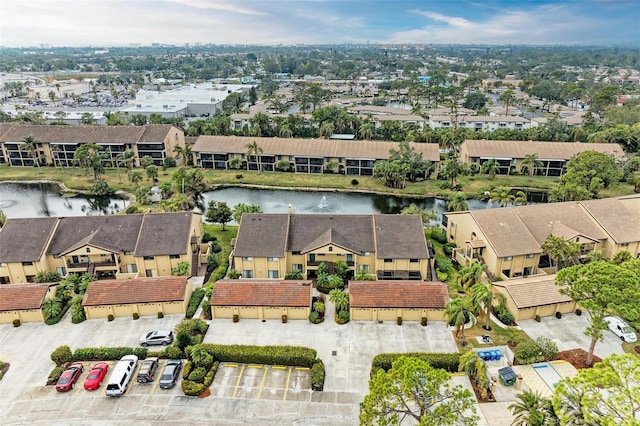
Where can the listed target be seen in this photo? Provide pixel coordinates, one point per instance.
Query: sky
(269, 22)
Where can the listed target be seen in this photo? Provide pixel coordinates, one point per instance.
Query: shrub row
(439, 236)
(317, 375)
(272, 355)
(447, 362)
(502, 313)
(170, 352)
(57, 318)
(194, 302)
(208, 379)
(55, 375)
(541, 349)
(107, 354)
(192, 388)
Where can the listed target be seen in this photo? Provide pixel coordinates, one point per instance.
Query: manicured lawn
(499, 336)
(224, 239)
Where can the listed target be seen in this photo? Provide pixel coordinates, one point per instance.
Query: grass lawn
(224, 239)
(499, 336)
(630, 348)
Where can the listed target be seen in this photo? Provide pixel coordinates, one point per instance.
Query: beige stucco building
(509, 239)
(24, 302)
(261, 299)
(389, 247)
(144, 296)
(117, 246)
(390, 300)
(526, 298)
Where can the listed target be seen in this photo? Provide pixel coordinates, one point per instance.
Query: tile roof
(262, 235)
(261, 293)
(330, 236)
(534, 291)
(357, 230)
(334, 148)
(480, 119)
(400, 237)
(155, 132)
(397, 294)
(616, 217)
(15, 297)
(164, 233)
(137, 290)
(75, 134)
(25, 240)
(545, 150)
(505, 232)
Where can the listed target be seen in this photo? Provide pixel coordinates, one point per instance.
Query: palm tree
(285, 131)
(520, 199)
(490, 167)
(254, 149)
(471, 275)
(457, 202)
(340, 299)
(30, 145)
(326, 130)
(366, 130)
(184, 152)
(458, 311)
(503, 195)
(531, 409)
(135, 177)
(482, 296)
(51, 307)
(530, 163)
(507, 98)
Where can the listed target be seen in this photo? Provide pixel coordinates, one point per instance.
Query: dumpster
(507, 376)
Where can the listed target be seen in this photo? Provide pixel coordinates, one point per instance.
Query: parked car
(121, 375)
(158, 337)
(170, 374)
(621, 329)
(69, 377)
(147, 370)
(96, 375)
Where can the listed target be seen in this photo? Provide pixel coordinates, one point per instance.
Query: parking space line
(235, 390)
(155, 383)
(133, 378)
(231, 365)
(264, 376)
(278, 367)
(254, 366)
(286, 386)
(302, 369)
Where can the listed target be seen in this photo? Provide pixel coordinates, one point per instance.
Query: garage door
(97, 311)
(222, 312)
(148, 309)
(386, 314)
(271, 312)
(412, 314)
(6, 317)
(361, 314)
(122, 310)
(248, 312)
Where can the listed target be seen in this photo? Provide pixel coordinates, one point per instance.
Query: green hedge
(445, 361)
(317, 375)
(54, 375)
(192, 388)
(271, 355)
(197, 375)
(107, 354)
(57, 318)
(194, 302)
(187, 370)
(62, 355)
(211, 374)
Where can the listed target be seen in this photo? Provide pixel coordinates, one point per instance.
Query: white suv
(621, 329)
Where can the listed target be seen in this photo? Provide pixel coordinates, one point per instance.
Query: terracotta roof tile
(137, 290)
(397, 294)
(22, 296)
(261, 293)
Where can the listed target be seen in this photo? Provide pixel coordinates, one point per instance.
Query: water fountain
(323, 203)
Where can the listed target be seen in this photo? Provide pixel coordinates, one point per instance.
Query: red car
(96, 376)
(69, 377)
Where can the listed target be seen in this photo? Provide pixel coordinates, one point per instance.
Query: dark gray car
(170, 374)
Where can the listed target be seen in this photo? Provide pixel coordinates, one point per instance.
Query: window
(349, 258)
(312, 257)
(128, 253)
(247, 258)
(365, 253)
(388, 260)
(61, 270)
(530, 256)
(273, 273)
(150, 273)
(148, 257)
(506, 273)
(330, 248)
(296, 253)
(296, 267)
(508, 258)
(414, 260)
(364, 269)
(272, 259)
(174, 256)
(132, 268)
(88, 249)
(247, 273)
(27, 263)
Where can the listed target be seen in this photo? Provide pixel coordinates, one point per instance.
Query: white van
(621, 329)
(121, 375)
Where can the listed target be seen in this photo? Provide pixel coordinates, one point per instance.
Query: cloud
(220, 6)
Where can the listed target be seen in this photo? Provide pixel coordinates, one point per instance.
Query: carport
(390, 300)
(143, 296)
(23, 302)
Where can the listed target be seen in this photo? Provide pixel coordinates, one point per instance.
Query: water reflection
(46, 200)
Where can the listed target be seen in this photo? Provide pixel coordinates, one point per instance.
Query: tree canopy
(414, 390)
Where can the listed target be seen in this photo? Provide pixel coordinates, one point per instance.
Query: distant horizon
(123, 23)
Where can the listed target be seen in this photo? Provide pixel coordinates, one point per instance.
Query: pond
(46, 199)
